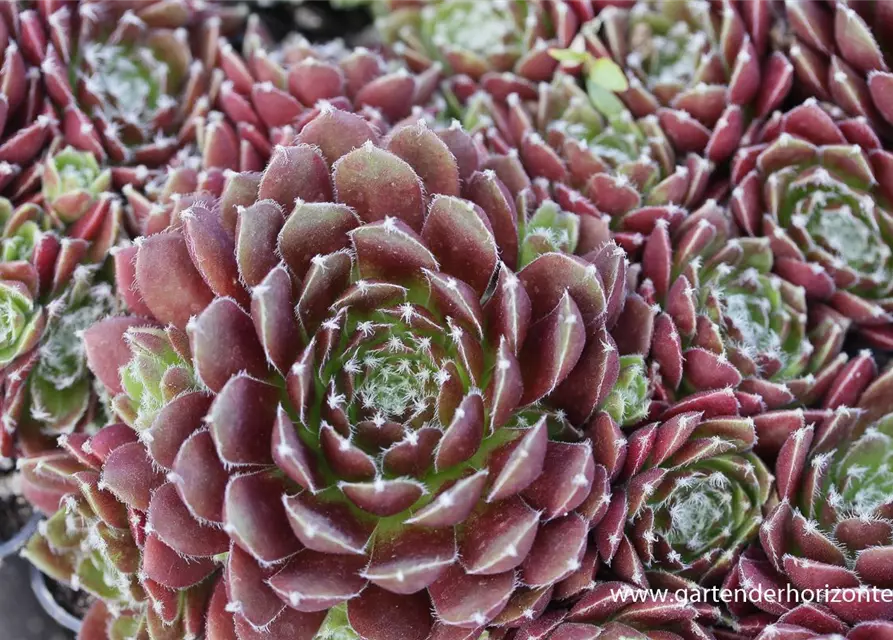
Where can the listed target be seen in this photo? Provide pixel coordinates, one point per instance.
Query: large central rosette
(372, 407)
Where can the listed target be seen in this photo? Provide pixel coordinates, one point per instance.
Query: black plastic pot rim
(14, 544)
(52, 608)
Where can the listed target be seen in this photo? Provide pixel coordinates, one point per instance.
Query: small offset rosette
(817, 185)
(702, 68)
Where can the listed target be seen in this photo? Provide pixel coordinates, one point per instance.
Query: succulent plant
(272, 90)
(480, 39)
(22, 317)
(53, 289)
(125, 78)
(585, 151)
(688, 492)
(838, 56)
(73, 183)
(702, 68)
(818, 187)
(711, 314)
(90, 542)
(59, 385)
(48, 299)
(831, 531)
(480, 333)
(22, 227)
(370, 399)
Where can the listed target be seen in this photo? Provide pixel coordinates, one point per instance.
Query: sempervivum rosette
(72, 183)
(124, 78)
(589, 155)
(688, 493)
(48, 300)
(723, 319)
(819, 188)
(372, 411)
(50, 392)
(831, 531)
(75, 194)
(51, 261)
(480, 39)
(837, 56)
(701, 67)
(92, 541)
(22, 229)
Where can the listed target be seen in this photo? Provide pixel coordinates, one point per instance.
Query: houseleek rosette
(476, 39)
(830, 533)
(52, 261)
(124, 78)
(47, 388)
(816, 186)
(365, 423)
(688, 501)
(703, 69)
(723, 319)
(60, 386)
(268, 91)
(584, 149)
(72, 183)
(23, 320)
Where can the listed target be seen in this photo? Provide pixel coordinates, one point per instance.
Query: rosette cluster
(53, 291)
(489, 330)
(356, 400)
(267, 93)
(619, 174)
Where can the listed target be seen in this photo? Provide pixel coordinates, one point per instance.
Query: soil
(14, 509)
(317, 21)
(74, 602)
(854, 345)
